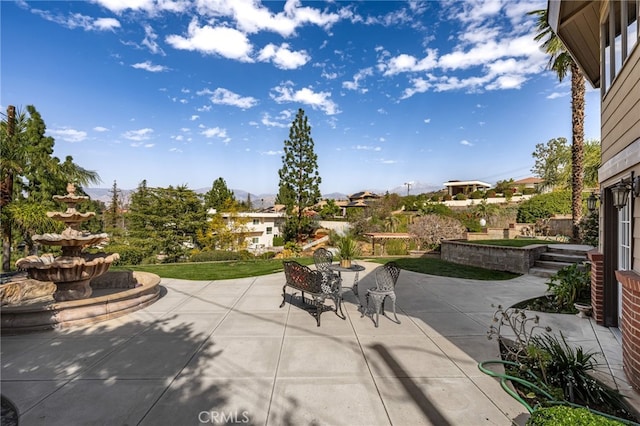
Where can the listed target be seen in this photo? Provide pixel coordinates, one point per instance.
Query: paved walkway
(218, 352)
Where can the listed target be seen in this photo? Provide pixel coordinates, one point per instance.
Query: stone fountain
(76, 287)
(72, 272)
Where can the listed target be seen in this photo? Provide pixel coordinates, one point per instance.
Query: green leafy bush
(589, 229)
(569, 285)
(543, 206)
(129, 255)
(396, 248)
(460, 196)
(278, 241)
(563, 415)
(476, 195)
(491, 193)
(528, 191)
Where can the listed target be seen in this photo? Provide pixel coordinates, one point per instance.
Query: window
(255, 240)
(269, 230)
(256, 221)
(619, 38)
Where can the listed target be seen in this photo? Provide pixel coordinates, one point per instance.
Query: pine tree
(299, 186)
(218, 196)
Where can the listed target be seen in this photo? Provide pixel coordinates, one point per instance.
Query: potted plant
(347, 250)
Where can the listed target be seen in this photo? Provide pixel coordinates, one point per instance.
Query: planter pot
(583, 310)
(345, 263)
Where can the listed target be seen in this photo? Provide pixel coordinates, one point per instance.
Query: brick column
(597, 285)
(630, 325)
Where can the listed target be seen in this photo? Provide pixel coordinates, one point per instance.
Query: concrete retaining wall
(511, 259)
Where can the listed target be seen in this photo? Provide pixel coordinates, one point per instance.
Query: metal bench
(318, 285)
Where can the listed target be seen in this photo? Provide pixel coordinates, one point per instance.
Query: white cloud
(138, 135)
(329, 75)
(224, 41)
(100, 129)
(427, 120)
(283, 57)
(266, 120)
(148, 66)
(367, 148)
(150, 40)
(194, 117)
(214, 132)
(251, 17)
(178, 150)
(78, 20)
(150, 6)
(222, 96)
(317, 100)
(68, 135)
(408, 63)
(465, 143)
(355, 84)
(272, 152)
(556, 95)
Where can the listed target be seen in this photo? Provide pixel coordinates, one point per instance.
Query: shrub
(543, 206)
(396, 248)
(491, 193)
(460, 196)
(446, 197)
(278, 241)
(563, 415)
(435, 198)
(432, 228)
(129, 255)
(589, 229)
(528, 191)
(476, 195)
(569, 285)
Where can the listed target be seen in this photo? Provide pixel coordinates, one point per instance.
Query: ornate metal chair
(386, 278)
(323, 258)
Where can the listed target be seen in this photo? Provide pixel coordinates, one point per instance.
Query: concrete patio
(214, 352)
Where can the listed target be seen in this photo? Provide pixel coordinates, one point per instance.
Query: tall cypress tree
(299, 185)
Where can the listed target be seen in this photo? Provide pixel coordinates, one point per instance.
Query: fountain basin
(70, 274)
(124, 292)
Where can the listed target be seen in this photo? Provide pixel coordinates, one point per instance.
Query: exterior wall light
(620, 192)
(592, 202)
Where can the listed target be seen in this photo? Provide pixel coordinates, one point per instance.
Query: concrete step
(547, 264)
(562, 257)
(553, 248)
(542, 272)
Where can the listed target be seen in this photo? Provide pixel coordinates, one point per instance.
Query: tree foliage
(543, 206)
(30, 174)
(553, 163)
(166, 220)
(218, 196)
(226, 229)
(299, 186)
(432, 228)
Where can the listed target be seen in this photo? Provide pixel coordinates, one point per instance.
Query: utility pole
(408, 184)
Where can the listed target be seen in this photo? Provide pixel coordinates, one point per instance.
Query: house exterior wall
(619, 79)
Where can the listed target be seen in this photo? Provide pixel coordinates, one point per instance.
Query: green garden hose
(504, 378)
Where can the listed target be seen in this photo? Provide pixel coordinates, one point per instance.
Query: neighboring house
(466, 187)
(602, 37)
(362, 199)
(531, 182)
(262, 227)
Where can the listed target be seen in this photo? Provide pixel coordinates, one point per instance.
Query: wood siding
(620, 114)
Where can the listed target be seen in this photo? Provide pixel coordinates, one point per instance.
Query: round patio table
(353, 268)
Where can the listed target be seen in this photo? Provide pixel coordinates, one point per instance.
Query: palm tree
(561, 62)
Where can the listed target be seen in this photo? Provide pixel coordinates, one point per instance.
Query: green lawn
(516, 242)
(435, 266)
(205, 271)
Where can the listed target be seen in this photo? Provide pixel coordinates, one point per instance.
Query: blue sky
(182, 92)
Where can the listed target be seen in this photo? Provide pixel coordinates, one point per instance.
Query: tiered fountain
(72, 272)
(75, 275)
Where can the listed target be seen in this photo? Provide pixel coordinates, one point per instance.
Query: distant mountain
(266, 200)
